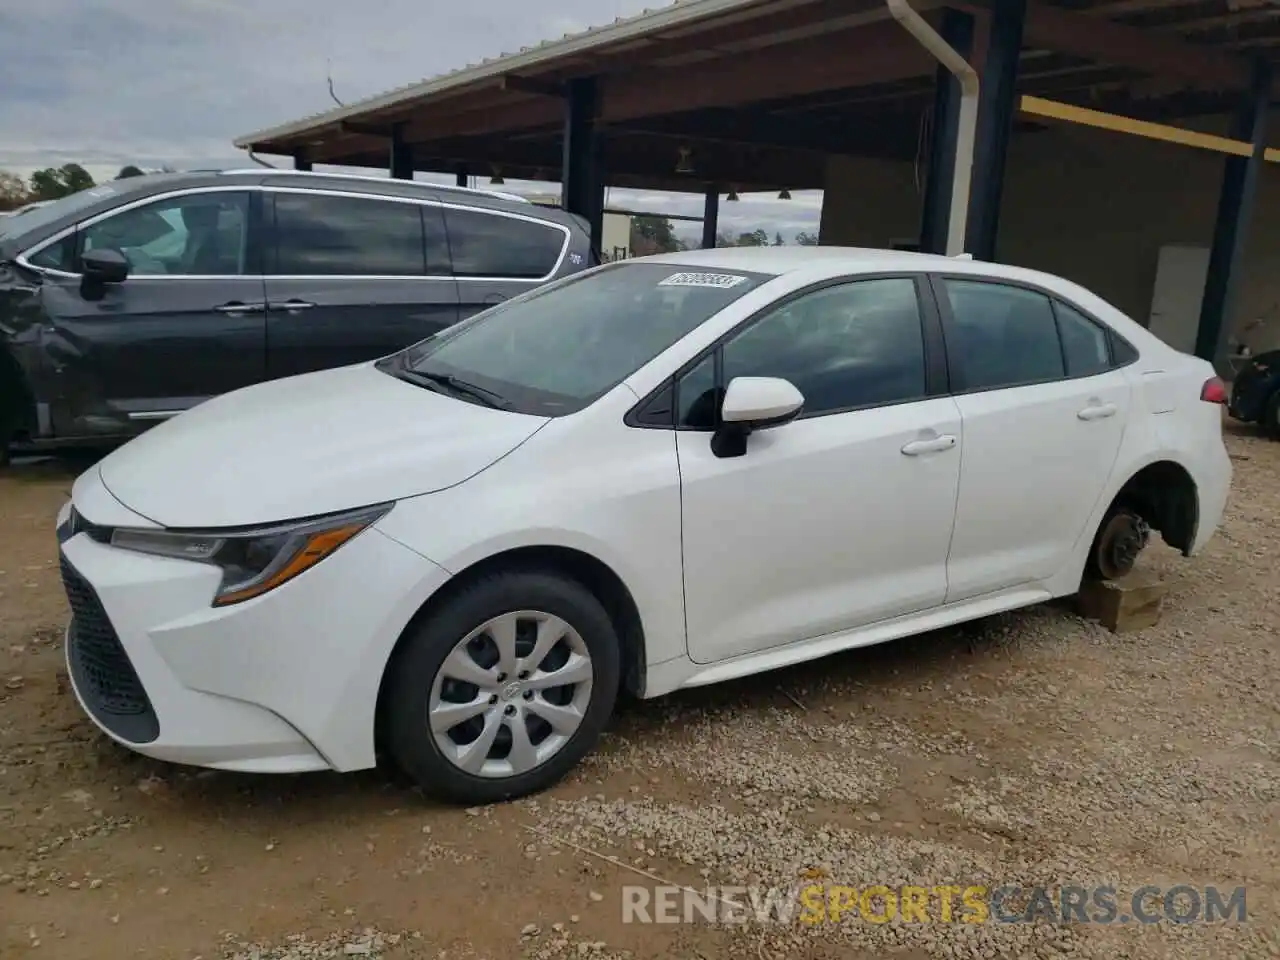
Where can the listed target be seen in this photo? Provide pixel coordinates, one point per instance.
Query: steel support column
(996, 106)
(582, 189)
(401, 156)
(957, 30)
(710, 217)
(300, 161)
(1235, 210)
(463, 176)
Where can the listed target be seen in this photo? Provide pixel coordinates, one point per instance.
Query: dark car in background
(1255, 393)
(127, 303)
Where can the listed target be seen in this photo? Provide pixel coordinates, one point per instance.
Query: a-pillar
(957, 30)
(582, 188)
(710, 217)
(997, 103)
(1235, 210)
(401, 156)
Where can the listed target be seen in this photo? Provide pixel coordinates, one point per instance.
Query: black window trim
(935, 360)
(955, 368)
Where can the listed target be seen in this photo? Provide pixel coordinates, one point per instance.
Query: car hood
(308, 445)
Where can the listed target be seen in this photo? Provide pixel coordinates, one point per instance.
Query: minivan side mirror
(104, 266)
(750, 404)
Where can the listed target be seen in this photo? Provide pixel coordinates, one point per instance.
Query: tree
(650, 235)
(807, 239)
(51, 183)
(777, 240)
(129, 171)
(13, 191)
(756, 238)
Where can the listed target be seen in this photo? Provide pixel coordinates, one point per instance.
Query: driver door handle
(236, 308)
(935, 445)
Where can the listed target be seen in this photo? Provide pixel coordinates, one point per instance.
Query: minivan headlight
(254, 561)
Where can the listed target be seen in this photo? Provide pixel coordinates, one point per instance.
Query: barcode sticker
(719, 281)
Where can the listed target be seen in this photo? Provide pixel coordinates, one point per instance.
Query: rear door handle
(1097, 411)
(292, 306)
(236, 308)
(936, 445)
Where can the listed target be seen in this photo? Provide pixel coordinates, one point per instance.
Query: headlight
(254, 561)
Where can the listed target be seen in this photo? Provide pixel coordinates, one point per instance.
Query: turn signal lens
(300, 553)
(1214, 391)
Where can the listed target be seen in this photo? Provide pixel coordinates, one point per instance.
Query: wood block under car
(1131, 602)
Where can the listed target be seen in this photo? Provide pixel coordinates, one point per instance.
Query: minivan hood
(307, 445)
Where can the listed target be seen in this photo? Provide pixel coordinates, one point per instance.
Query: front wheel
(501, 691)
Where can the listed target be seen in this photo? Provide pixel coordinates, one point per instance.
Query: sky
(105, 83)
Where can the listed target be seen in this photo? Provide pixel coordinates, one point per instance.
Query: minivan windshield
(558, 348)
(33, 220)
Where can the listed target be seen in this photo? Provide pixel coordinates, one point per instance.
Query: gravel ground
(1033, 748)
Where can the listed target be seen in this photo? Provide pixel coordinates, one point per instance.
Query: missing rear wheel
(1120, 540)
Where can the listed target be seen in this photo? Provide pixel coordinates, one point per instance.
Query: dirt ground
(1032, 748)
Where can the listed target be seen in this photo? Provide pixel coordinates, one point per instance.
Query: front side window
(857, 344)
(557, 348)
(490, 245)
(196, 234)
(1001, 336)
(319, 236)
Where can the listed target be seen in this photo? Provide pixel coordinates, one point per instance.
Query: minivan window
(490, 245)
(320, 235)
(194, 234)
(556, 349)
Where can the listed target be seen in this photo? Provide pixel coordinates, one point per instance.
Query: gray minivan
(127, 303)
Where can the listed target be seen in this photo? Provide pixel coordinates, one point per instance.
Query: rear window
(493, 245)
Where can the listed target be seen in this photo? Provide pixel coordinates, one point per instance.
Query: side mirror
(104, 266)
(750, 404)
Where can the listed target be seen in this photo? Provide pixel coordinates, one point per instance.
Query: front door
(353, 278)
(187, 324)
(1044, 411)
(840, 518)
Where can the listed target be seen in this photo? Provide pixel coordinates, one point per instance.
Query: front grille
(100, 667)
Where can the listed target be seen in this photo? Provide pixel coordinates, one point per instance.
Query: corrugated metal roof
(678, 13)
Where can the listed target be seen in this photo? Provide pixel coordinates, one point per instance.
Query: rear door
(187, 324)
(497, 255)
(352, 277)
(1044, 408)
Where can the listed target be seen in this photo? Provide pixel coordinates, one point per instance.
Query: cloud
(110, 82)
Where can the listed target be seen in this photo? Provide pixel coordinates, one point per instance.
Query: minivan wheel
(503, 689)
(1271, 416)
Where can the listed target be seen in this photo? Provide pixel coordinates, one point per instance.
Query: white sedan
(657, 474)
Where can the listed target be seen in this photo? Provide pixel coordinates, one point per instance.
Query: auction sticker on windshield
(719, 281)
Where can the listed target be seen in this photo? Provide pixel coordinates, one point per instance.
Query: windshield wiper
(451, 383)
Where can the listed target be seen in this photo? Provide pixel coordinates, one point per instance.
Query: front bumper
(286, 682)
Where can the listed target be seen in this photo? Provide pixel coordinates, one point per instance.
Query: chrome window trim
(365, 178)
(23, 258)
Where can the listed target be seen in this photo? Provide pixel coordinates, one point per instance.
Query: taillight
(1214, 391)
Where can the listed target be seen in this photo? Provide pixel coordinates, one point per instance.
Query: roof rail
(357, 176)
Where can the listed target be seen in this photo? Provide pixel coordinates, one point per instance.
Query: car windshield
(558, 348)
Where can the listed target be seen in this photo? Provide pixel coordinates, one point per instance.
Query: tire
(1119, 524)
(1271, 416)
(424, 675)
